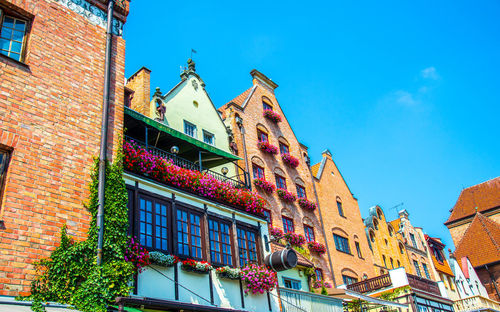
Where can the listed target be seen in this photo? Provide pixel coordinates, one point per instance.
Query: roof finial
(191, 64)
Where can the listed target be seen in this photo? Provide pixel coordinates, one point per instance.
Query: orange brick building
(351, 257)
(244, 115)
(474, 219)
(51, 97)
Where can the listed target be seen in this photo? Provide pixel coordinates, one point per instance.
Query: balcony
(299, 301)
(476, 303)
(423, 284)
(371, 284)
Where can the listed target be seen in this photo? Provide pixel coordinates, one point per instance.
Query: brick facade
(51, 117)
(249, 107)
(331, 189)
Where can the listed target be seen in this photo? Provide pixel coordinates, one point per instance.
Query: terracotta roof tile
(484, 196)
(315, 169)
(486, 232)
(240, 99)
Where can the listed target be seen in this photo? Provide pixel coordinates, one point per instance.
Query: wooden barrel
(282, 260)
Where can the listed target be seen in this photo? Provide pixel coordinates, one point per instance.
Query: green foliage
(323, 291)
(70, 275)
(355, 305)
(303, 251)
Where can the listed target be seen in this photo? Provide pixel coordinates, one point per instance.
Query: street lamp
(174, 150)
(224, 170)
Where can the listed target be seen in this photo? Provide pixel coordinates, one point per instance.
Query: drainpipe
(242, 130)
(308, 162)
(104, 134)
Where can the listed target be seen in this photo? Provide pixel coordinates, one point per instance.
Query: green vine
(70, 275)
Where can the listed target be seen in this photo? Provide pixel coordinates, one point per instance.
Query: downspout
(492, 279)
(308, 162)
(242, 130)
(104, 134)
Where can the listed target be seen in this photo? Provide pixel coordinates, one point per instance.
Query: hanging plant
(275, 232)
(201, 267)
(286, 196)
(258, 279)
(136, 254)
(267, 148)
(306, 204)
(272, 115)
(316, 247)
(228, 272)
(264, 185)
(162, 259)
(289, 160)
(294, 239)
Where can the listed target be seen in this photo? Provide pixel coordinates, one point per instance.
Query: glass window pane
(20, 25)
(8, 22)
(4, 44)
(6, 33)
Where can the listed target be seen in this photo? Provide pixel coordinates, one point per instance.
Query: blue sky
(404, 93)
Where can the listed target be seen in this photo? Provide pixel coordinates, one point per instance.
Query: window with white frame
(189, 129)
(208, 137)
(12, 35)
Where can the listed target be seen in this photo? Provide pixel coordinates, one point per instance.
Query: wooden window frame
(340, 246)
(4, 167)
(278, 179)
(303, 189)
(220, 234)
(307, 234)
(270, 219)
(241, 227)
(286, 225)
(284, 147)
(254, 167)
(349, 279)
(417, 268)
(319, 274)
(12, 13)
(358, 250)
(261, 134)
(340, 208)
(202, 236)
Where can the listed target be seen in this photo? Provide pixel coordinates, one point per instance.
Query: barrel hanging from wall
(282, 260)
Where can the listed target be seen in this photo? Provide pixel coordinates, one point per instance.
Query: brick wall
(51, 118)
(489, 278)
(140, 84)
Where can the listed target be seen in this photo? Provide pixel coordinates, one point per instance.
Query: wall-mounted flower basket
(306, 204)
(228, 272)
(162, 259)
(316, 247)
(201, 267)
(136, 254)
(275, 232)
(320, 284)
(267, 148)
(272, 115)
(294, 239)
(286, 195)
(264, 185)
(258, 279)
(290, 161)
(138, 160)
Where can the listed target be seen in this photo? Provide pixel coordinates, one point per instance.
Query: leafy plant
(291, 161)
(162, 259)
(271, 115)
(264, 185)
(267, 147)
(294, 239)
(201, 267)
(286, 195)
(228, 272)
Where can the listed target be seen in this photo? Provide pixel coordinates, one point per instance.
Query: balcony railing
(475, 303)
(186, 164)
(300, 301)
(371, 284)
(423, 284)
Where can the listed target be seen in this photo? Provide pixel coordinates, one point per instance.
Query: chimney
(262, 80)
(140, 84)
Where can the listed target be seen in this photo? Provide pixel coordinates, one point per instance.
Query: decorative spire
(191, 65)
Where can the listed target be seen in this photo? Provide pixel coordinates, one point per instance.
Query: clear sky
(404, 93)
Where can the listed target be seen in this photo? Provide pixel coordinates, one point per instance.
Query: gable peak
(260, 78)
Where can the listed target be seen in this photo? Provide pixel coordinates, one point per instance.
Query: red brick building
(474, 225)
(52, 61)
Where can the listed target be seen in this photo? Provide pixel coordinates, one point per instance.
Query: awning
(349, 294)
(159, 304)
(173, 134)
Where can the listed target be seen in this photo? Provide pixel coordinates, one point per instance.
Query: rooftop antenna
(395, 207)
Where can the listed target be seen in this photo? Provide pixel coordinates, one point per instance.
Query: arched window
(375, 224)
(372, 236)
(385, 262)
(266, 104)
(390, 230)
(401, 249)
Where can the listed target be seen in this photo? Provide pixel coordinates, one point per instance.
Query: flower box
(291, 161)
(271, 115)
(286, 195)
(267, 148)
(228, 272)
(275, 232)
(294, 239)
(321, 284)
(306, 204)
(138, 160)
(264, 185)
(316, 247)
(258, 279)
(136, 254)
(162, 259)
(201, 267)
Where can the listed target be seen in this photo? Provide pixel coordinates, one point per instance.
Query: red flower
(267, 147)
(290, 160)
(306, 204)
(271, 115)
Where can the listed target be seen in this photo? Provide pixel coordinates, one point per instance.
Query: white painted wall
(295, 274)
(467, 287)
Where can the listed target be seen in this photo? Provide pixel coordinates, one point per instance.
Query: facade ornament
(195, 84)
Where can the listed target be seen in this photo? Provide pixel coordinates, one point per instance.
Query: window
(392, 263)
(375, 224)
(288, 225)
(451, 282)
(390, 230)
(284, 149)
(153, 223)
(189, 129)
(358, 249)
(266, 106)
(341, 243)
(12, 36)
(413, 241)
(438, 255)
(220, 242)
(291, 283)
(280, 182)
(208, 138)
(267, 214)
(417, 268)
(401, 249)
(319, 274)
(262, 136)
(399, 263)
(339, 207)
(309, 231)
(348, 280)
(385, 262)
(247, 245)
(426, 271)
(189, 234)
(301, 191)
(4, 164)
(372, 237)
(258, 172)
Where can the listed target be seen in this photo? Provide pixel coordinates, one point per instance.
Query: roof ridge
(482, 219)
(487, 181)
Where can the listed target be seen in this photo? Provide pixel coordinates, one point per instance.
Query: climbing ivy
(70, 274)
